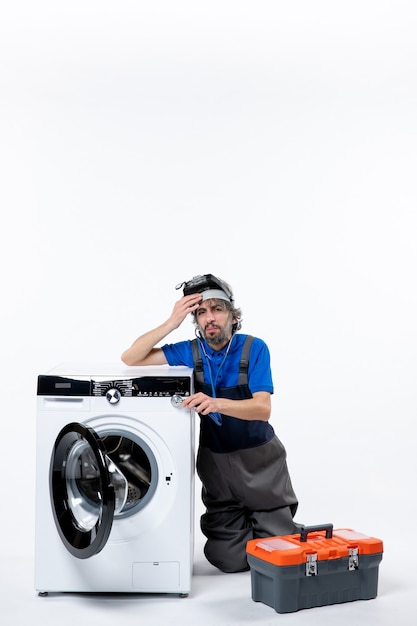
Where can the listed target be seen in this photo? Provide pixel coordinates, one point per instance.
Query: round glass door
(86, 488)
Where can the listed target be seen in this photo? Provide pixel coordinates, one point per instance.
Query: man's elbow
(127, 359)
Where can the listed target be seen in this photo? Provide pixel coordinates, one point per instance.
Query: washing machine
(115, 456)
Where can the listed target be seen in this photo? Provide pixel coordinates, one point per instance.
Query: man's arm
(143, 351)
(256, 408)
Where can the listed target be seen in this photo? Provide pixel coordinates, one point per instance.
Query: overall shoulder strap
(244, 361)
(198, 362)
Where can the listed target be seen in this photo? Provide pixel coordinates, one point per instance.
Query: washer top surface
(118, 370)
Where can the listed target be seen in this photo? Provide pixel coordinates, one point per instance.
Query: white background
(271, 143)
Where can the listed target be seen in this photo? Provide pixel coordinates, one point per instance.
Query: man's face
(215, 322)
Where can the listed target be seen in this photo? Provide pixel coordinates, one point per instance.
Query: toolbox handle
(305, 530)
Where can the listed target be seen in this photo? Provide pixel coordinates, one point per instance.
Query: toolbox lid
(323, 541)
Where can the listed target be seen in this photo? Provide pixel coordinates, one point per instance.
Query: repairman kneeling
(242, 465)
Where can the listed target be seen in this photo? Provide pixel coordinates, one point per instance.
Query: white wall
(271, 143)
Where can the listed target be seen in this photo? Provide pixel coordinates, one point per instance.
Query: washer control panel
(144, 387)
(103, 388)
(139, 387)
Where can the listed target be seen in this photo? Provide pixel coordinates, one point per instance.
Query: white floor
(216, 599)
(375, 495)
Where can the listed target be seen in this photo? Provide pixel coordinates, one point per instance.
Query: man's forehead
(212, 303)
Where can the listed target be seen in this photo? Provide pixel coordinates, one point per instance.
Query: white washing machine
(114, 480)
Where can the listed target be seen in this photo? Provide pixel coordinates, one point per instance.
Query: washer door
(84, 492)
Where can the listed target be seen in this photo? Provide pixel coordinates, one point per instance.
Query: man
(242, 465)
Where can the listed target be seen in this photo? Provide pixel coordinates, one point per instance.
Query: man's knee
(227, 557)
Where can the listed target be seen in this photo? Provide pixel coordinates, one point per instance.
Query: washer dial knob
(176, 400)
(113, 395)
